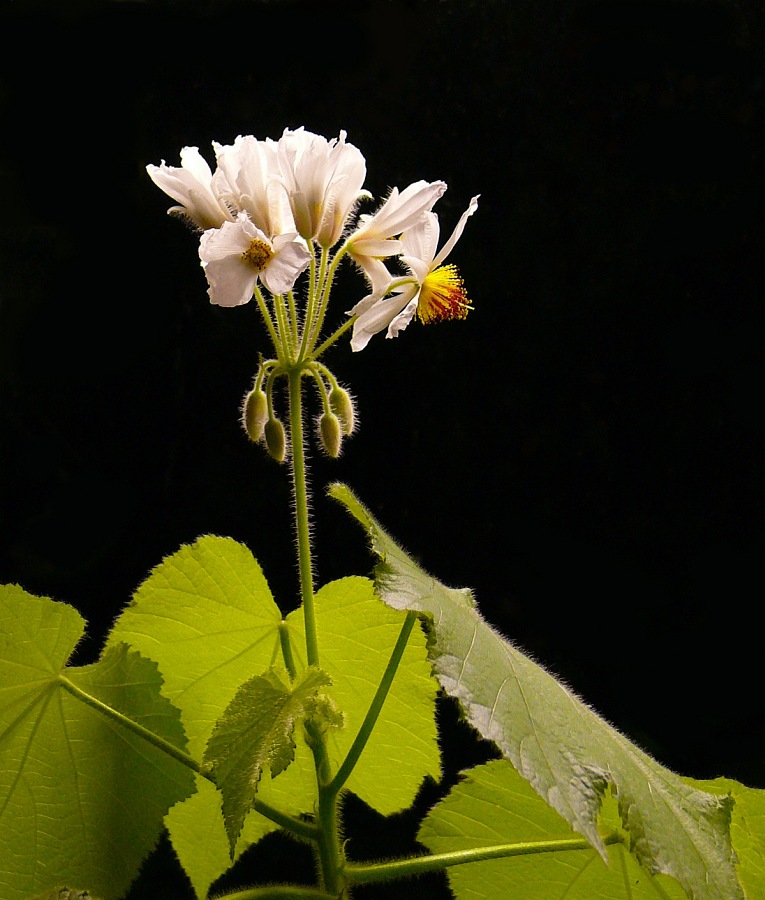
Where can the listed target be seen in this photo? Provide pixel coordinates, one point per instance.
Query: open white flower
(238, 255)
(375, 238)
(432, 291)
(191, 186)
(248, 179)
(323, 180)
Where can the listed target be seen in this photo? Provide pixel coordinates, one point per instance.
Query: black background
(584, 451)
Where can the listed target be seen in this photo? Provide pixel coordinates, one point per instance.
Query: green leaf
(554, 740)
(492, 805)
(199, 837)
(356, 636)
(206, 616)
(747, 831)
(64, 893)
(255, 731)
(82, 797)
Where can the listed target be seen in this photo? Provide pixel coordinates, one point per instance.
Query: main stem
(302, 523)
(327, 840)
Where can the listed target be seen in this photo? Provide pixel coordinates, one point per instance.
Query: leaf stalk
(368, 873)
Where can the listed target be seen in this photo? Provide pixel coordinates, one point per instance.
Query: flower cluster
(273, 210)
(270, 207)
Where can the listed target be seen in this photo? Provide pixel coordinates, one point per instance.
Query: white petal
(421, 240)
(457, 233)
(231, 239)
(281, 273)
(406, 315)
(380, 315)
(231, 281)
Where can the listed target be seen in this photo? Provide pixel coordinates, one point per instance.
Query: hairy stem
(302, 524)
(360, 873)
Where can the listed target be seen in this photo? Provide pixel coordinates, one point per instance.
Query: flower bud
(276, 440)
(342, 406)
(330, 434)
(255, 414)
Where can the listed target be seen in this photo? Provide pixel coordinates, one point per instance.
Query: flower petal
(457, 233)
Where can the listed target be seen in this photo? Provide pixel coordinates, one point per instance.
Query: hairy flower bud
(276, 440)
(342, 406)
(255, 414)
(330, 434)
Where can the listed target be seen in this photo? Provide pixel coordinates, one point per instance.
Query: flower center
(258, 254)
(442, 296)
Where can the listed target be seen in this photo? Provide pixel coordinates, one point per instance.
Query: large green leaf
(208, 619)
(493, 804)
(255, 732)
(555, 741)
(206, 616)
(82, 798)
(356, 636)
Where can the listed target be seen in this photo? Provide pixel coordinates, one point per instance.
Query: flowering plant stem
(302, 521)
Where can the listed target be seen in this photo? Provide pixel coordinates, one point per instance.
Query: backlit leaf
(82, 798)
(492, 805)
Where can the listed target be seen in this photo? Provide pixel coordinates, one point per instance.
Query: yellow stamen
(258, 254)
(442, 296)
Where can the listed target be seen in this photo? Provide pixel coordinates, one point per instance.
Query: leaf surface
(747, 831)
(357, 634)
(493, 804)
(206, 616)
(82, 798)
(554, 740)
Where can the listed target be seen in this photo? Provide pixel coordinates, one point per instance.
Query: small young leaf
(493, 804)
(82, 798)
(255, 732)
(561, 746)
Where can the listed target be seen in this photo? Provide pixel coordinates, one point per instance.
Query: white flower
(191, 186)
(432, 291)
(238, 254)
(323, 180)
(248, 178)
(374, 239)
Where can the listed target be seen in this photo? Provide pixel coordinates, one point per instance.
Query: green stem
(328, 841)
(286, 646)
(300, 488)
(420, 865)
(277, 892)
(333, 337)
(268, 319)
(296, 826)
(370, 720)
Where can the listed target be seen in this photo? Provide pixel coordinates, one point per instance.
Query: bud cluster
(335, 422)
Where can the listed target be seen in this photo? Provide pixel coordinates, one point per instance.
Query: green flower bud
(255, 414)
(276, 440)
(331, 434)
(342, 406)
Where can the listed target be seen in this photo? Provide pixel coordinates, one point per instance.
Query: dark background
(584, 451)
